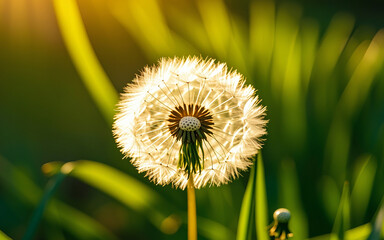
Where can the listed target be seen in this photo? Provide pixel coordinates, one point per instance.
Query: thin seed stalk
(192, 223)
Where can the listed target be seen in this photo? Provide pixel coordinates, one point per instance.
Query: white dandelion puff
(189, 117)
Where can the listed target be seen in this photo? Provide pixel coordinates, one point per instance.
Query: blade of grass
(261, 201)
(364, 231)
(37, 215)
(333, 44)
(377, 231)
(146, 22)
(244, 228)
(325, 78)
(357, 56)
(337, 148)
(361, 232)
(350, 103)
(287, 26)
(309, 42)
(291, 199)
(362, 187)
(122, 187)
(328, 55)
(77, 223)
(217, 25)
(3, 236)
(341, 224)
(262, 35)
(293, 105)
(361, 81)
(84, 58)
(195, 32)
(237, 43)
(357, 233)
(330, 196)
(378, 224)
(135, 195)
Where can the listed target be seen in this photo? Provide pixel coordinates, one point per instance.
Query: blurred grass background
(319, 70)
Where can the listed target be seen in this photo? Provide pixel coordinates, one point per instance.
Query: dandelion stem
(192, 226)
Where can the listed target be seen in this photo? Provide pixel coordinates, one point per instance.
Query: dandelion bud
(279, 229)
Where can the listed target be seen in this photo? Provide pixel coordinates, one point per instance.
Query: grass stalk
(261, 203)
(37, 215)
(244, 229)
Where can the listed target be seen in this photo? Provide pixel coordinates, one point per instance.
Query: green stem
(48, 193)
(192, 223)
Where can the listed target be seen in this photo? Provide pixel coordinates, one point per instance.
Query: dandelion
(190, 122)
(187, 116)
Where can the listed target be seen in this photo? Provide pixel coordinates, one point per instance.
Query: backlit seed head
(190, 117)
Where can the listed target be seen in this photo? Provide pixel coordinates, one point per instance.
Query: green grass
(288, 74)
(322, 157)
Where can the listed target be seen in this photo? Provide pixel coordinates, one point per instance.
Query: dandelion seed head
(189, 100)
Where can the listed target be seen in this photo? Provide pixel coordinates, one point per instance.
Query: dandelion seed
(189, 117)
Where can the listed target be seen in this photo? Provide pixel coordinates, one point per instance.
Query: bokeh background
(317, 65)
